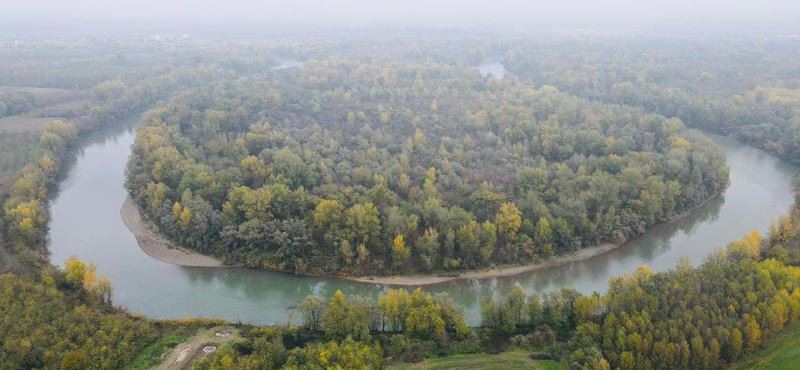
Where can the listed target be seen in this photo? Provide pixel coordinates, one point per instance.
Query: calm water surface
(493, 66)
(86, 222)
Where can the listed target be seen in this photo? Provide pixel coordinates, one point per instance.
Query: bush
(540, 356)
(520, 341)
(398, 345)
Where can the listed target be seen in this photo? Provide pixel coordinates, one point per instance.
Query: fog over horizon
(216, 17)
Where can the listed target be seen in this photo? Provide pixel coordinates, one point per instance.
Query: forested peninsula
(357, 167)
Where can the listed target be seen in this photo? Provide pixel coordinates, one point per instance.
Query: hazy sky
(253, 13)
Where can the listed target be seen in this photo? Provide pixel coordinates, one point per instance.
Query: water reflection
(288, 63)
(86, 222)
(493, 66)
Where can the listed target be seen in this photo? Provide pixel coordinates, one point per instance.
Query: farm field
(22, 124)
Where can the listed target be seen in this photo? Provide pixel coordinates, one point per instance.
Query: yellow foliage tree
(750, 245)
(508, 220)
(176, 210)
(46, 163)
(394, 304)
(185, 218)
(400, 253)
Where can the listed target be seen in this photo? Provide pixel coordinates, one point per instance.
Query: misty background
(54, 18)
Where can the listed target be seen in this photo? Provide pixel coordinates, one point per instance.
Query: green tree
(313, 309)
(428, 248)
(334, 320)
(362, 223)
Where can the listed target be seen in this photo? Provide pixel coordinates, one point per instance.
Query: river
(86, 222)
(492, 66)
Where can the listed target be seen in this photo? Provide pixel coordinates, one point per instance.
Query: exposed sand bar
(416, 280)
(157, 246)
(161, 249)
(579, 255)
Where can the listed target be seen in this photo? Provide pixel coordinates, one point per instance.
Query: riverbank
(161, 249)
(579, 255)
(156, 246)
(417, 280)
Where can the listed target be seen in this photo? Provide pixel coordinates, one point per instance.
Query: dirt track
(183, 353)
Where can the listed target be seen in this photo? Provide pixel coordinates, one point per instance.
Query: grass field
(46, 96)
(60, 109)
(152, 354)
(512, 360)
(22, 124)
(17, 150)
(782, 353)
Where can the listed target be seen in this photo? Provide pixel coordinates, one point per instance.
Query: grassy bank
(782, 353)
(153, 354)
(506, 360)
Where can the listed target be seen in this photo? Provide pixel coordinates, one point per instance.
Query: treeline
(25, 208)
(744, 89)
(17, 101)
(684, 318)
(783, 241)
(354, 332)
(416, 314)
(265, 349)
(350, 167)
(12, 104)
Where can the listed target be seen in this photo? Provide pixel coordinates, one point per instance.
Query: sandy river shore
(157, 246)
(161, 249)
(415, 280)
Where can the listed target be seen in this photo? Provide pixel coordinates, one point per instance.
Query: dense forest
(359, 163)
(65, 322)
(356, 167)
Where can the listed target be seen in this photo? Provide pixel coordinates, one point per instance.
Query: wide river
(86, 222)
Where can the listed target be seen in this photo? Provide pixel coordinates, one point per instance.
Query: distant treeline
(749, 90)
